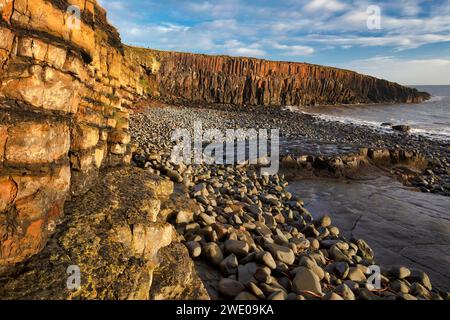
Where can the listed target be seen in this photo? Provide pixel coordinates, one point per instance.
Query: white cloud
(410, 7)
(344, 22)
(113, 5)
(170, 27)
(404, 71)
(353, 20)
(401, 42)
(218, 9)
(324, 5)
(249, 52)
(291, 29)
(280, 27)
(168, 36)
(294, 50)
(237, 48)
(117, 5)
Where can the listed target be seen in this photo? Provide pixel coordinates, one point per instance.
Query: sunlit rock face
(112, 234)
(247, 81)
(65, 89)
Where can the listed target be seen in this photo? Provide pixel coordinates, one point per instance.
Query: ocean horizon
(430, 118)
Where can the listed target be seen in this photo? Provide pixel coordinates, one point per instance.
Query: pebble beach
(250, 237)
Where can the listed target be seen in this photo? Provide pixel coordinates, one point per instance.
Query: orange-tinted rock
(32, 207)
(76, 66)
(37, 196)
(32, 142)
(248, 81)
(32, 48)
(101, 236)
(58, 88)
(118, 149)
(120, 137)
(83, 162)
(6, 39)
(84, 137)
(57, 183)
(89, 114)
(35, 229)
(6, 42)
(8, 191)
(56, 56)
(20, 246)
(45, 88)
(37, 204)
(99, 155)
(7, 9)
(3, 137)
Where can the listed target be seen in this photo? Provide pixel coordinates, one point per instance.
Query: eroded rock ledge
(409, 167)
(113, 234)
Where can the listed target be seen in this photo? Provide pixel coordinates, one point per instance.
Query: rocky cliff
(247, 81)
(65, 92)
(65, 87)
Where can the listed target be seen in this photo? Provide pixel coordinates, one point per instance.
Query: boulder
(212, 252)
(401, 128)
(306, 280)
(230, 288)
(282, 253)
(237, 247)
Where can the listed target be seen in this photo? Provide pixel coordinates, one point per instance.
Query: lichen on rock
(107, 233)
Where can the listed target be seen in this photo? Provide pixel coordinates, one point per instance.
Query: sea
(431, 118)
(403, 226)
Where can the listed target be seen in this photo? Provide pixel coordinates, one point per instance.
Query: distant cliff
(248, 81)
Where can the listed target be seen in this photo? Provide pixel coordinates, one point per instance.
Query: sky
(406, 41)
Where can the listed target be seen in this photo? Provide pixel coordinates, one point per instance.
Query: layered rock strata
(347, 164)
(65, 87)
(248, 81)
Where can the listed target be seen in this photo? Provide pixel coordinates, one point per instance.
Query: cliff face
(247, 81)
(64, 93)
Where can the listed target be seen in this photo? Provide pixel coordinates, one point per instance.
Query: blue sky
(412, 46)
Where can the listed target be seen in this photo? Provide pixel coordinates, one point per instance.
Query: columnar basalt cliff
(248, 81)
(64, 92)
